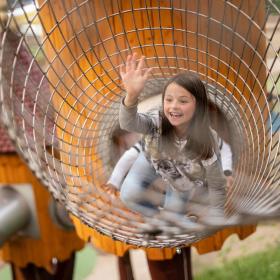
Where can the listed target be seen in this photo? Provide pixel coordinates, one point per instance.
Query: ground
(265, 236)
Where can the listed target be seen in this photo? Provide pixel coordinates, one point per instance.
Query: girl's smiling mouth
(175, 115)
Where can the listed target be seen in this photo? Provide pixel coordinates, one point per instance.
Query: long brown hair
(200, 139)
(219, 122)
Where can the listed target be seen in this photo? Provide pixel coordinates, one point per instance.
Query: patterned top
(180, 169)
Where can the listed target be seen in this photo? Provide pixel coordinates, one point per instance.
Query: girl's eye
(184, 101)
(168, 100)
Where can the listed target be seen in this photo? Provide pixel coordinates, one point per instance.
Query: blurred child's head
(185, 110)
(185, 101)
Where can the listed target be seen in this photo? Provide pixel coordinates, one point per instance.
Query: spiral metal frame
(59, 148)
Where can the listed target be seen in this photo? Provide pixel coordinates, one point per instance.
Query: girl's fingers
(133, 61)
(141, 63)
(131, 66)
(128, 63)
(147, 72)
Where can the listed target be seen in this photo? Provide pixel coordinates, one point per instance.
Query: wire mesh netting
(61, 90)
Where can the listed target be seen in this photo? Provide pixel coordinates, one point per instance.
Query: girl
(179, 147)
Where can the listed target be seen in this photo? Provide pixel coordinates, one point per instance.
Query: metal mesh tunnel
(60, 94)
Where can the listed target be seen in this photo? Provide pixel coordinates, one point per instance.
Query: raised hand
(134, 77)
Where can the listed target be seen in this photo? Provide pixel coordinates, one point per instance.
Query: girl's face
(179, 107)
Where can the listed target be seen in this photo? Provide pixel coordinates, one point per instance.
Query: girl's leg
(136, 191)
(175, 211)
(176, 201)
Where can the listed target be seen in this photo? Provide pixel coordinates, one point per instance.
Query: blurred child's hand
(133, 77)
(229, 182)
(111, 189)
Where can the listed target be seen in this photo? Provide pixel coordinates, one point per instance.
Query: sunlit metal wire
(60, 93)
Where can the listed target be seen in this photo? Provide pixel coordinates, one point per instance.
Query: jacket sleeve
(216, 180)
(133, 121)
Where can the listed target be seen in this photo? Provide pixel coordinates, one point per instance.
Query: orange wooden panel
(54, 242)
(209, 244)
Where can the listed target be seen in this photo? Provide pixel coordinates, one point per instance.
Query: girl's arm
(134, 77)
(133, 121)
(226, 158)
(216, 182)
(226, 155)
(123, 165)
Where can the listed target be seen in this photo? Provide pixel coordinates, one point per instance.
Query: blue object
(275, 119)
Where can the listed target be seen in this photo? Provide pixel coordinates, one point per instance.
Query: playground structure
(36, 236)
(31, 223)
(66, 135)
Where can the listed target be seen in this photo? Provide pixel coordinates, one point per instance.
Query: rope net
(61, 90)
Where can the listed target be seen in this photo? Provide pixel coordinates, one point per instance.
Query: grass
(6, 273)
(263, 265)
(85, 261)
